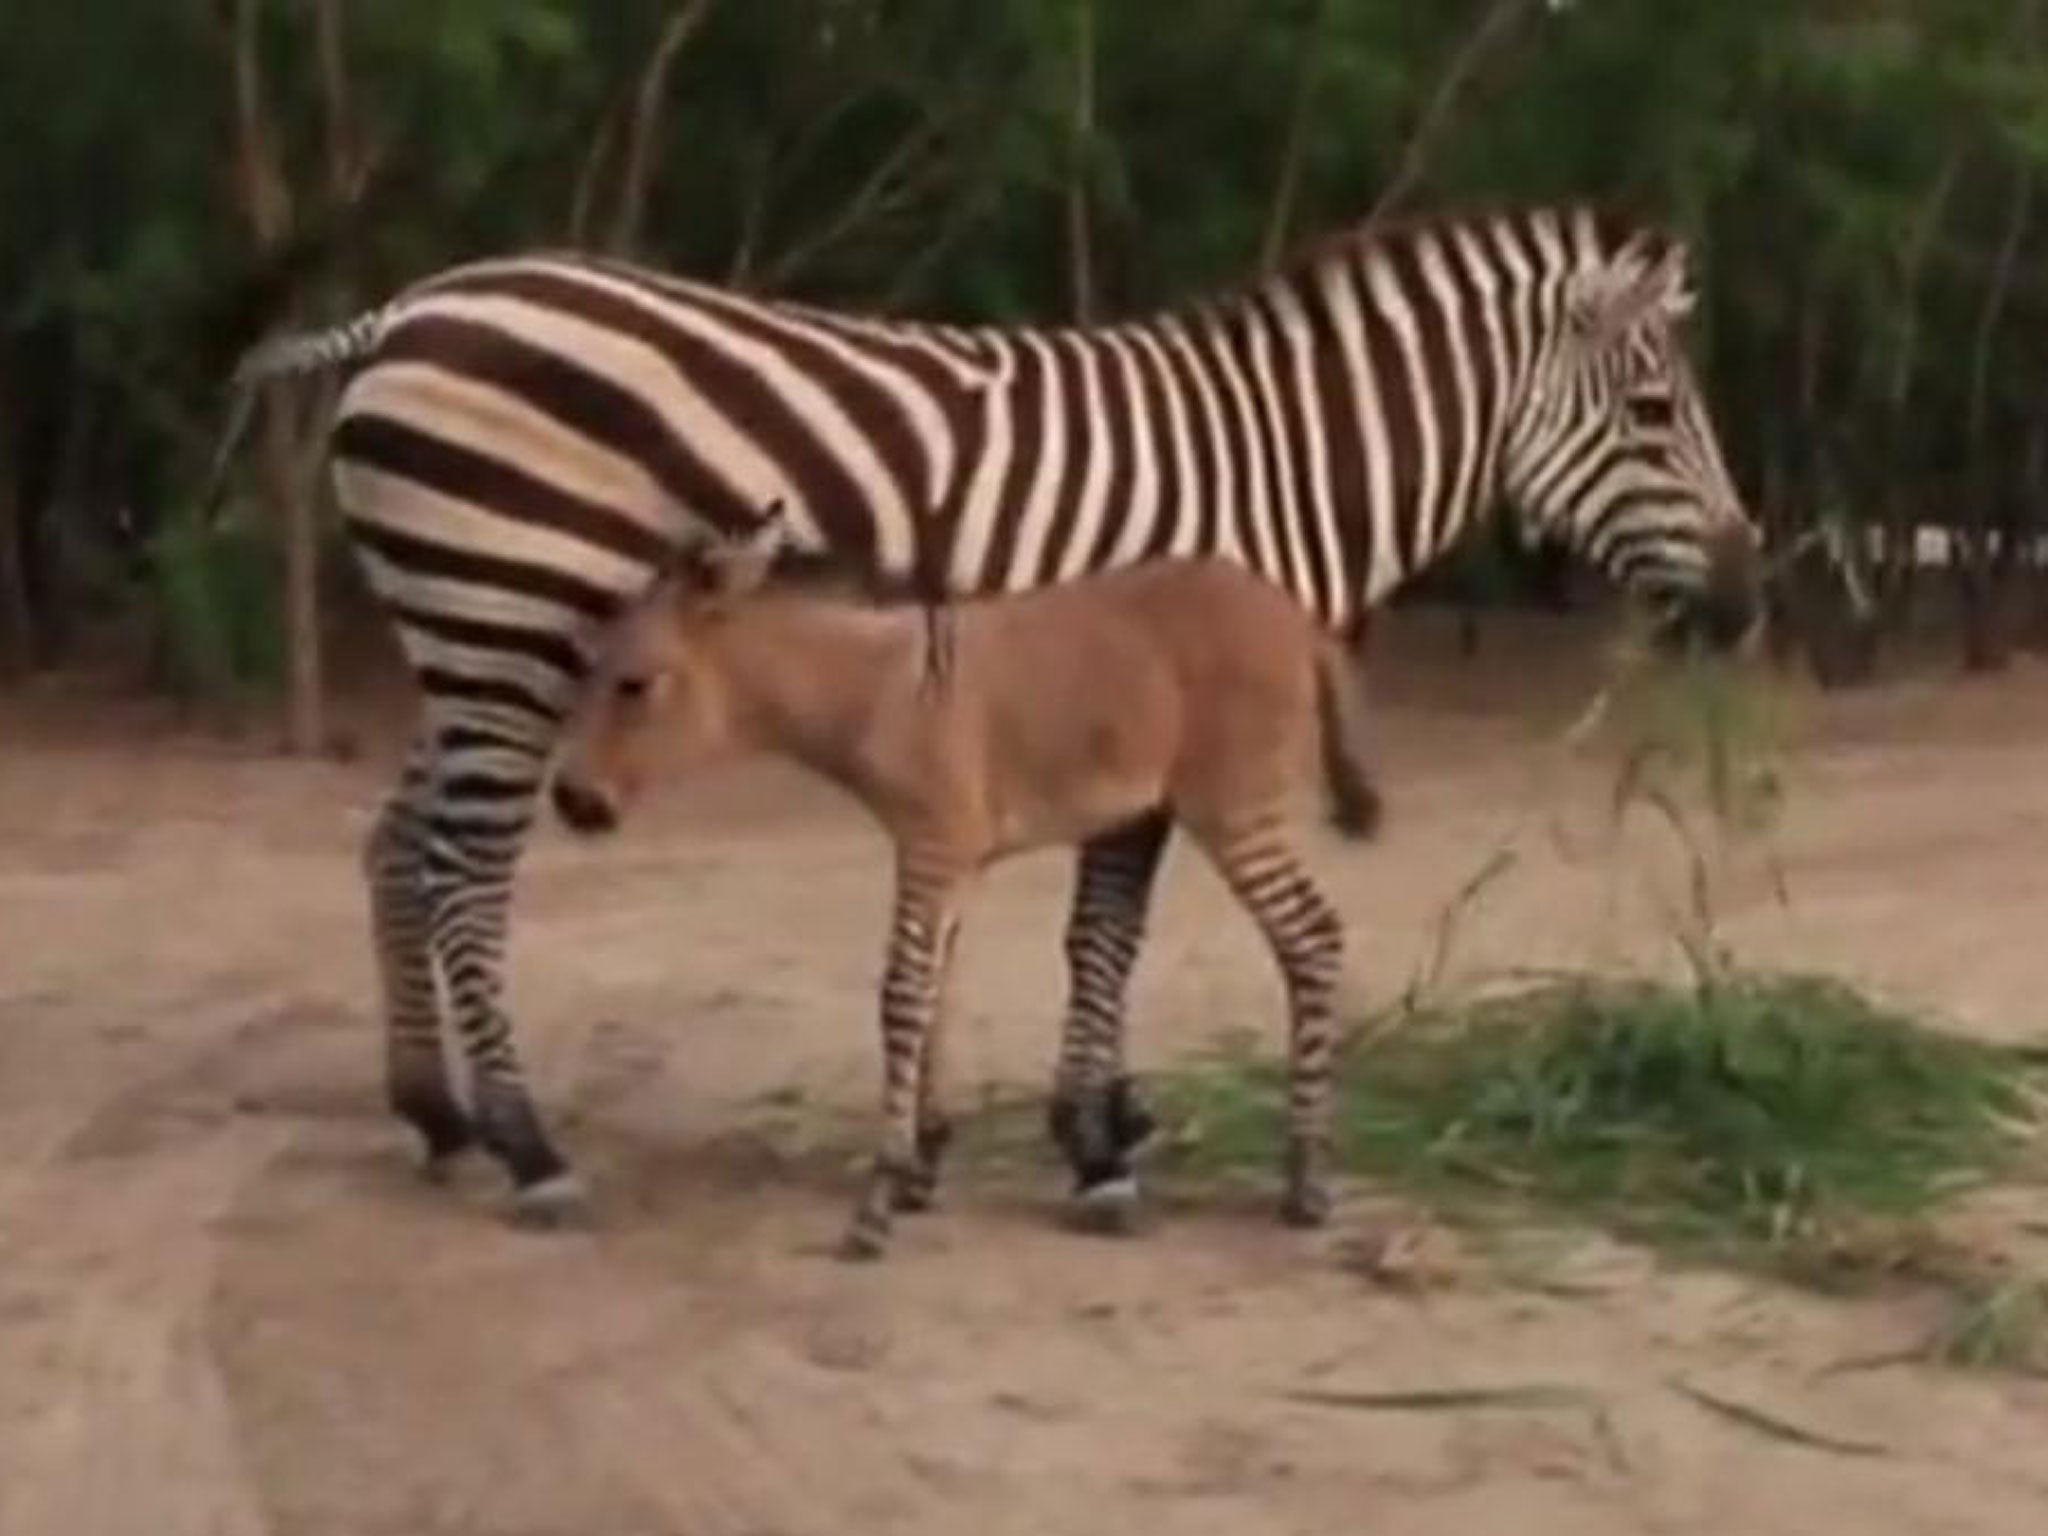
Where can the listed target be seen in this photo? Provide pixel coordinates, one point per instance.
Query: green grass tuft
(1746, 1118)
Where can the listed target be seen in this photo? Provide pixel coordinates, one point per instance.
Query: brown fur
(1057, 713)
(991, 727)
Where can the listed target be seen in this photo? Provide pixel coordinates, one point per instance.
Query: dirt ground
(227, 1306)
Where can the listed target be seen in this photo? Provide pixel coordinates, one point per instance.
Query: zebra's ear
(1644, 279)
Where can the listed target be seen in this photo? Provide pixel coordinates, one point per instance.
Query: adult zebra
(529, 438)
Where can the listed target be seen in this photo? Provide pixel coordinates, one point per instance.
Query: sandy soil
(226, 1305)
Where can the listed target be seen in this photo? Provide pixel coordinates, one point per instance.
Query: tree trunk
(17, 624)
(1986, 634)
(293, 493)
(267, 207)
(1082, 148)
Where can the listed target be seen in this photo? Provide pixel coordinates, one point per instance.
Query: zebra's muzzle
(584, 809)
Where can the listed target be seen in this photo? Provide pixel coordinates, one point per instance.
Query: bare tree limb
(583, 199)
(892, 183)
(1913, 257)
(344, 170)
(1494, 23)
(636, 173)
(266, 202)
(1287, 186)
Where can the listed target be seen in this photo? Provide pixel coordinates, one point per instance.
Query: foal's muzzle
(584, 809)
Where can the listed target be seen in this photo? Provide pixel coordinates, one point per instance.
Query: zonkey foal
(1183, 690)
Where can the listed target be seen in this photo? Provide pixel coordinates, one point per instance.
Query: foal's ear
(738, 563)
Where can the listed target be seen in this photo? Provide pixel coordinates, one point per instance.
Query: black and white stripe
(529, 438)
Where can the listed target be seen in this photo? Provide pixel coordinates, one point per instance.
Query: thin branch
(344, 166)
(584, 197)
(646, 122)
(265, 199)
(1287, 188)
(1913, 257)
(1996, 293)
(1494, 23)
(887, 187)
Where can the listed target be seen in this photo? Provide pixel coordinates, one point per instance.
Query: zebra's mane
(1613, 225)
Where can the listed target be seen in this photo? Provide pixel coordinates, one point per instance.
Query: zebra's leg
(1095, 1116)
(415, 1066)
(1307, 940)
(912, 982)
(918, 1190)
(470, 859)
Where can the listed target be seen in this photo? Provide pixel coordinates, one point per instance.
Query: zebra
(528, 439)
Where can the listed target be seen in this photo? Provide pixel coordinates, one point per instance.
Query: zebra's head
(1613, 454)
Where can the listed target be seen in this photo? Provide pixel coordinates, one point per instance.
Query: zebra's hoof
(1110, 1207)
(1307, 1207)
(552, 1203)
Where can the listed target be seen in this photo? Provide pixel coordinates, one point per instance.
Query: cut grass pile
(1751, 1119)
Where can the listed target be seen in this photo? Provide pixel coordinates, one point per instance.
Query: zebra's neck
(1336, 426)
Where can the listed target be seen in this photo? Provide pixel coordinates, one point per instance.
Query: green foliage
(1747, 1120)
(214, 603)
(1847, 173)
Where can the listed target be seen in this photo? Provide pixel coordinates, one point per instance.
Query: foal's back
(1183, 681)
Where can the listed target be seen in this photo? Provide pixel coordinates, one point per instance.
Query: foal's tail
(1355, 804)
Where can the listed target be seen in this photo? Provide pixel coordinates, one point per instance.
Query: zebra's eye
(1651, 412)
(631, 690)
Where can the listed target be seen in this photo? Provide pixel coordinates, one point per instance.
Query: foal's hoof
(914, 1197)
(441, 1168)
(1110, 1207)
(1307, 1207)
(552, 1203)
(863, 1245)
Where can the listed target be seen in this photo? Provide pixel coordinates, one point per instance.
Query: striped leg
(462, 825)
(471, 894)
(415, 1067)
(1094, 1115)
(920, 944)
(918, 1190)
(1307, 940)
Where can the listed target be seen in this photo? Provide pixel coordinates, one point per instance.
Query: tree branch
(1493, 24)
(1287, 188)
(886, 188)
(646, 121)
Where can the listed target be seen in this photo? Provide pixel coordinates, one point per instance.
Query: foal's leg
(1094, 1115)
(911, 985)
(1307, 940)
(918, 1190)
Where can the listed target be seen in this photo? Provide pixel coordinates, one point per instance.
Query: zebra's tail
(283, 357)
(1356, 808)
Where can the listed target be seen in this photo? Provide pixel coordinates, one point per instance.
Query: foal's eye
(630, 690)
